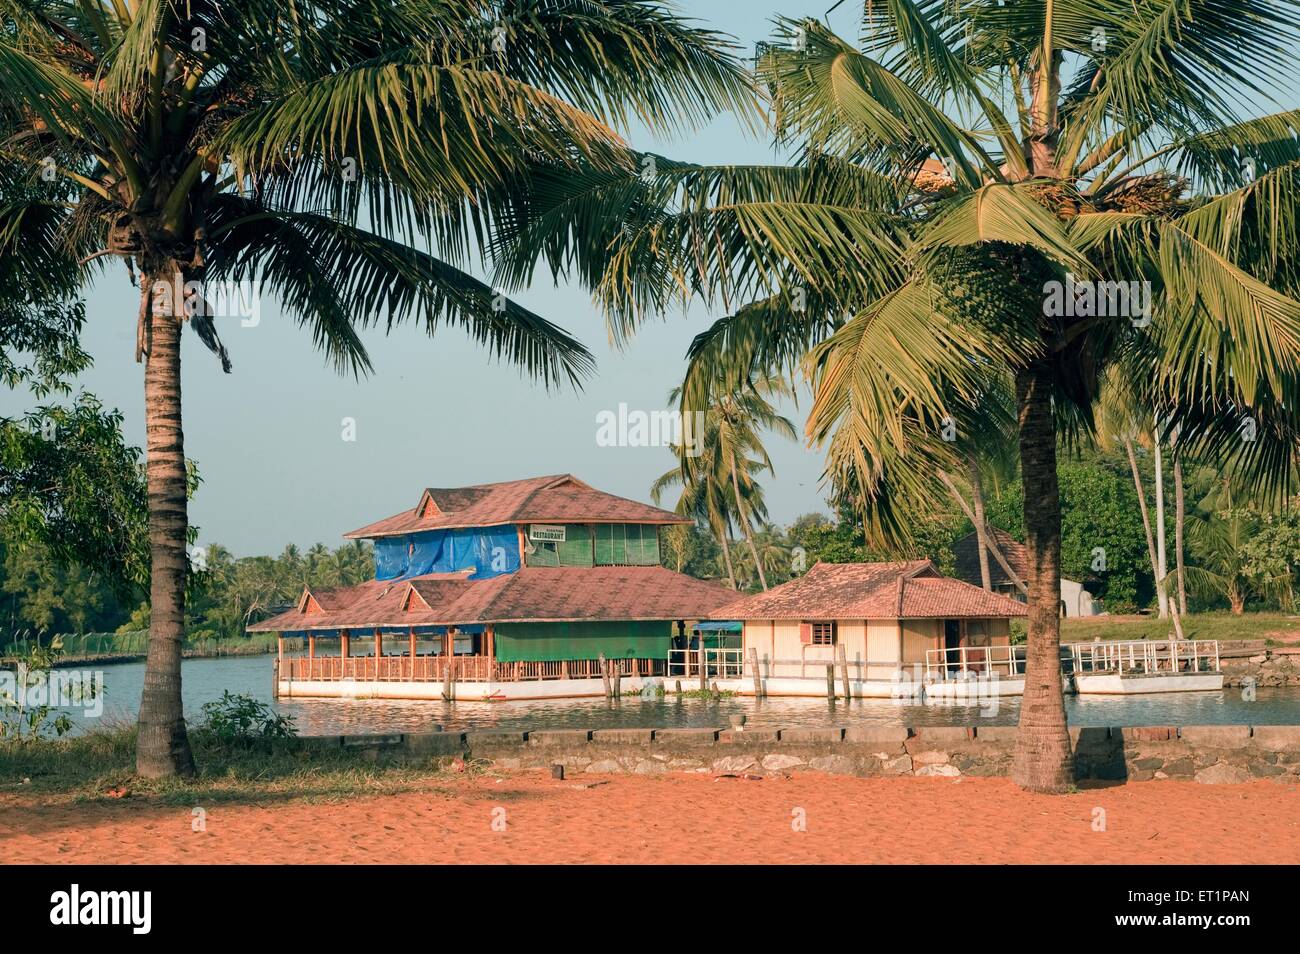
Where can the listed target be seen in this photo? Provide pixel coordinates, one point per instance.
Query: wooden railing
(464, 669)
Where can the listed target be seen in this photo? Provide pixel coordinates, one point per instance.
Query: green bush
(238, 719)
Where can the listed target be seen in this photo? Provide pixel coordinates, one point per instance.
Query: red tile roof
(533, 594)
(559, 498)
(911, 590)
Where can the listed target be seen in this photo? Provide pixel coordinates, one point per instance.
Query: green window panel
(604, 544)
(576, 548)
(551, 642)
(544, 553)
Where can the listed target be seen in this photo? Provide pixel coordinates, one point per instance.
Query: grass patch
(1275, 627)
(94, 766)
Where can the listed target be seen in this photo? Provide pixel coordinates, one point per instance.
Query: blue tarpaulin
(391, 557)
(487, 551)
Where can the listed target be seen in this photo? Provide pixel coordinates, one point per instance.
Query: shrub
(239, 719)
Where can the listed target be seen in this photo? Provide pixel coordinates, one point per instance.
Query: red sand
(687, 819)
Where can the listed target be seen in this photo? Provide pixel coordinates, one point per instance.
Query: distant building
(513, 590)
(883, 622)
(1076, 600)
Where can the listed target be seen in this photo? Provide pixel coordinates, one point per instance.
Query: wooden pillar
(279, 648)
(844, 669)
(449, 651)
(344, 640)
(379, 642)
(410, 632)
(311, 645)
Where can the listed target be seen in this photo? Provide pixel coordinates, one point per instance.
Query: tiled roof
(967, 561)
(559, 498)
(910, 590)
(533, 594)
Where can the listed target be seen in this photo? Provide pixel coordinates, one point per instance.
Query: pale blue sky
(436, 411)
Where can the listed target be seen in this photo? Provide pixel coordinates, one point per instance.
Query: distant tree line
(39, 595)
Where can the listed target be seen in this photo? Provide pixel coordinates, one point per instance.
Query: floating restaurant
(527, 589)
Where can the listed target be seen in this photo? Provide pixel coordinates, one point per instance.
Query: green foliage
(42, 597)
(239, 719)
(844, 541)
(72, 489)
(29, 712)
(1272, 552)
(1099, 508)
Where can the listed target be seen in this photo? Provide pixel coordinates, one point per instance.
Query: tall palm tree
(730, 452)
(707, 502)
(347, 156)
(954, 175)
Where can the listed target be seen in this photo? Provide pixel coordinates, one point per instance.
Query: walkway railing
(725, 663)
(1146, 657)
(944, 664)
(963, 661)
(463, 669)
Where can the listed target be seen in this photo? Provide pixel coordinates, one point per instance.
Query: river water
(203, 680)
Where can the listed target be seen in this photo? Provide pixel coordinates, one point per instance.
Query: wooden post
(275, 678)
(449, 652)
(704, 681)
(830, 681)
(604, 675)
(758, 676)
(344, 639)
(844, 670)
(410, 632)
(279, 648)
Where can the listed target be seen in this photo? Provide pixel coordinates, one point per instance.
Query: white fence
(1143, 656)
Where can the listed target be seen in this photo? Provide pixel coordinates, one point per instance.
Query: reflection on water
(204, 680)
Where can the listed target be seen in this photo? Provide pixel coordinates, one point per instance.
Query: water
(205, 679)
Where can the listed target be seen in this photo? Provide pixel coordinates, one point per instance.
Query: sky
(435, 411)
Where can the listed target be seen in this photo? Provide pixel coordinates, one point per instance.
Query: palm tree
(348, 156)
(705, 500)
(1221, 540)
(956, 180)
(730, 450)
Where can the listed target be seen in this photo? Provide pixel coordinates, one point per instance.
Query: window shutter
(805, 633)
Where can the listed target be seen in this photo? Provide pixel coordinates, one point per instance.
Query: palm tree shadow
(1099, 758)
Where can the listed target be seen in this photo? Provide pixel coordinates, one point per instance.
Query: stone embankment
(1212, 753)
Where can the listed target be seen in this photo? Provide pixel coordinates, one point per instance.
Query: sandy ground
(687, 819)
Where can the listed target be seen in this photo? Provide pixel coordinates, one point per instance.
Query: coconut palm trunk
(1162, 566)
(163, 747)
(1146, 516)
(744, 524)
(1180, 523)
(1043, 760)
(726, 554)
(981, 524)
